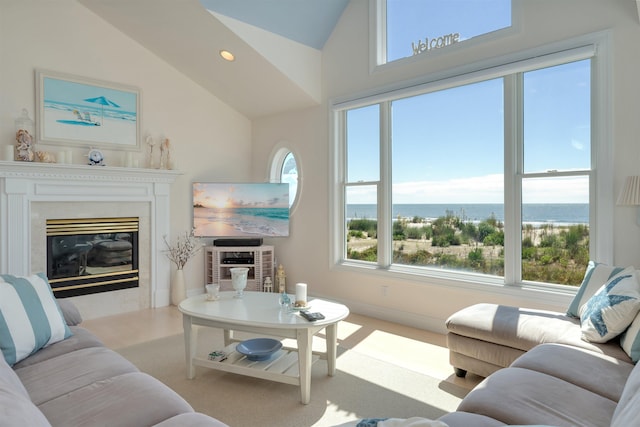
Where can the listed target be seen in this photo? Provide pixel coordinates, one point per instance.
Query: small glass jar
(285, 301)
(25, 137)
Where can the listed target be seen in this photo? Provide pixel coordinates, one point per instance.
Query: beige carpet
(363, 387)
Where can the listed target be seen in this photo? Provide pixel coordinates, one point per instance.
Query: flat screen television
(240, 209)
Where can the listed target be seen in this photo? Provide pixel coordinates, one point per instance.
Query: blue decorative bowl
(257, 349)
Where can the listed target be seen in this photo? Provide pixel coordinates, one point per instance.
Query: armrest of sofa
(70, 312)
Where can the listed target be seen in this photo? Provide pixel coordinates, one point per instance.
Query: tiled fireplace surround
(31, 193)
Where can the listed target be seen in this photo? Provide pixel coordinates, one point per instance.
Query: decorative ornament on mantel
(96, 158)
(25, 128)
(163, 157)
(180, 253)
(151, 143)
(165, 153)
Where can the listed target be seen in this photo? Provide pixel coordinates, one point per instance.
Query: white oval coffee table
(260, 313)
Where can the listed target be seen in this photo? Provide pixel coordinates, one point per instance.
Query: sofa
(555, 384)
(550, 368)
(484, 338)
(76, 380)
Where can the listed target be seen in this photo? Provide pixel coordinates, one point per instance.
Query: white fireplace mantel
(22, 184)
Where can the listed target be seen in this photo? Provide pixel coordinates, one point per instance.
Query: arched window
(285, 168)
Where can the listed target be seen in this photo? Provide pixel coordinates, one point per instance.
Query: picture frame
(74, 110)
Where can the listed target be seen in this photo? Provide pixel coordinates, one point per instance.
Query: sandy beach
(237, 226)
(207, 229)
(111, 130)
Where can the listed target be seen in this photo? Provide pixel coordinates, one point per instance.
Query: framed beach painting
(83, 111)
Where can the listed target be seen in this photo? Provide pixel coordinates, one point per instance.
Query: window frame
(276, 163)
(378, 41)
(601, 185)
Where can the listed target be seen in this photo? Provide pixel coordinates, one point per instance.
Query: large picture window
(491, 173)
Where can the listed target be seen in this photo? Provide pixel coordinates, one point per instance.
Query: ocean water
(534, 213)
(241, 222)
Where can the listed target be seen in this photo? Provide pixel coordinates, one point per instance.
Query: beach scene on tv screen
(241, 209)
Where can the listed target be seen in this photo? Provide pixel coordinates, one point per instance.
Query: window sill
(479, 283)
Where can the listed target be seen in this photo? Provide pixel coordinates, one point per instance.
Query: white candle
(129, 159)
(9, 153)
(61, 157)
(301, 292)
(69, 156)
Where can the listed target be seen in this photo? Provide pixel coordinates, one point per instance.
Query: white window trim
(276, 162)
(601, 211)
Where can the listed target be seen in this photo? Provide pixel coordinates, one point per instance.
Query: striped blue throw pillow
(30, 318)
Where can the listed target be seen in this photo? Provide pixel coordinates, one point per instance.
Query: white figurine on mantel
(280, 277)
(151, 143)
(165, 154)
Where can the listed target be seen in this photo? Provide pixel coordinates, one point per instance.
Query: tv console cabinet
(219, 260)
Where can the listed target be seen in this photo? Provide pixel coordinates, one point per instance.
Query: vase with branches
(185, 247)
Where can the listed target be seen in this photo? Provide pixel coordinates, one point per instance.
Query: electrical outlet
(384, 289)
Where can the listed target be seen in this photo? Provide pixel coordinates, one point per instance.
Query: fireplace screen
(86, 256)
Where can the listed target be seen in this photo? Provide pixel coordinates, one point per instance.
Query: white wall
(211, 140)
(305, 254)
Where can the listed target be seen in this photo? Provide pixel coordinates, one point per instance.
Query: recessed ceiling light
(226, 55)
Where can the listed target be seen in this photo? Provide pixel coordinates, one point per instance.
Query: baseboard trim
(413, 320)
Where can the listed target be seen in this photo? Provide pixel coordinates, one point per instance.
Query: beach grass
(550, 253)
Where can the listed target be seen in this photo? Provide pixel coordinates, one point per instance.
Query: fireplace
(91, 255)
(32, 192)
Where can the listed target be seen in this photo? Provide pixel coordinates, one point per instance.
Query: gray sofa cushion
(520, 396)
(71, 371)
(598, 373)
(81, 338)
(133, 399)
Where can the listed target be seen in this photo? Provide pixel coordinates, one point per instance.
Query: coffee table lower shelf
(282, 366)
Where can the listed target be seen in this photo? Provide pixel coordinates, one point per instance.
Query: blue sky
(448, 145)
(232, 195)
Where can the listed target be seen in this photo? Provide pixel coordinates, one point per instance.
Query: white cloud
(482, 189)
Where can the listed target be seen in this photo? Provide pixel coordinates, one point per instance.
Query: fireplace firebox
(92, 255)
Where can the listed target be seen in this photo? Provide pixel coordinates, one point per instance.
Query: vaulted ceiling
(277, 45)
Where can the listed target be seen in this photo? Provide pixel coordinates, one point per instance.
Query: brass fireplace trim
(61, 227)
(89, 285)
(97, 276)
